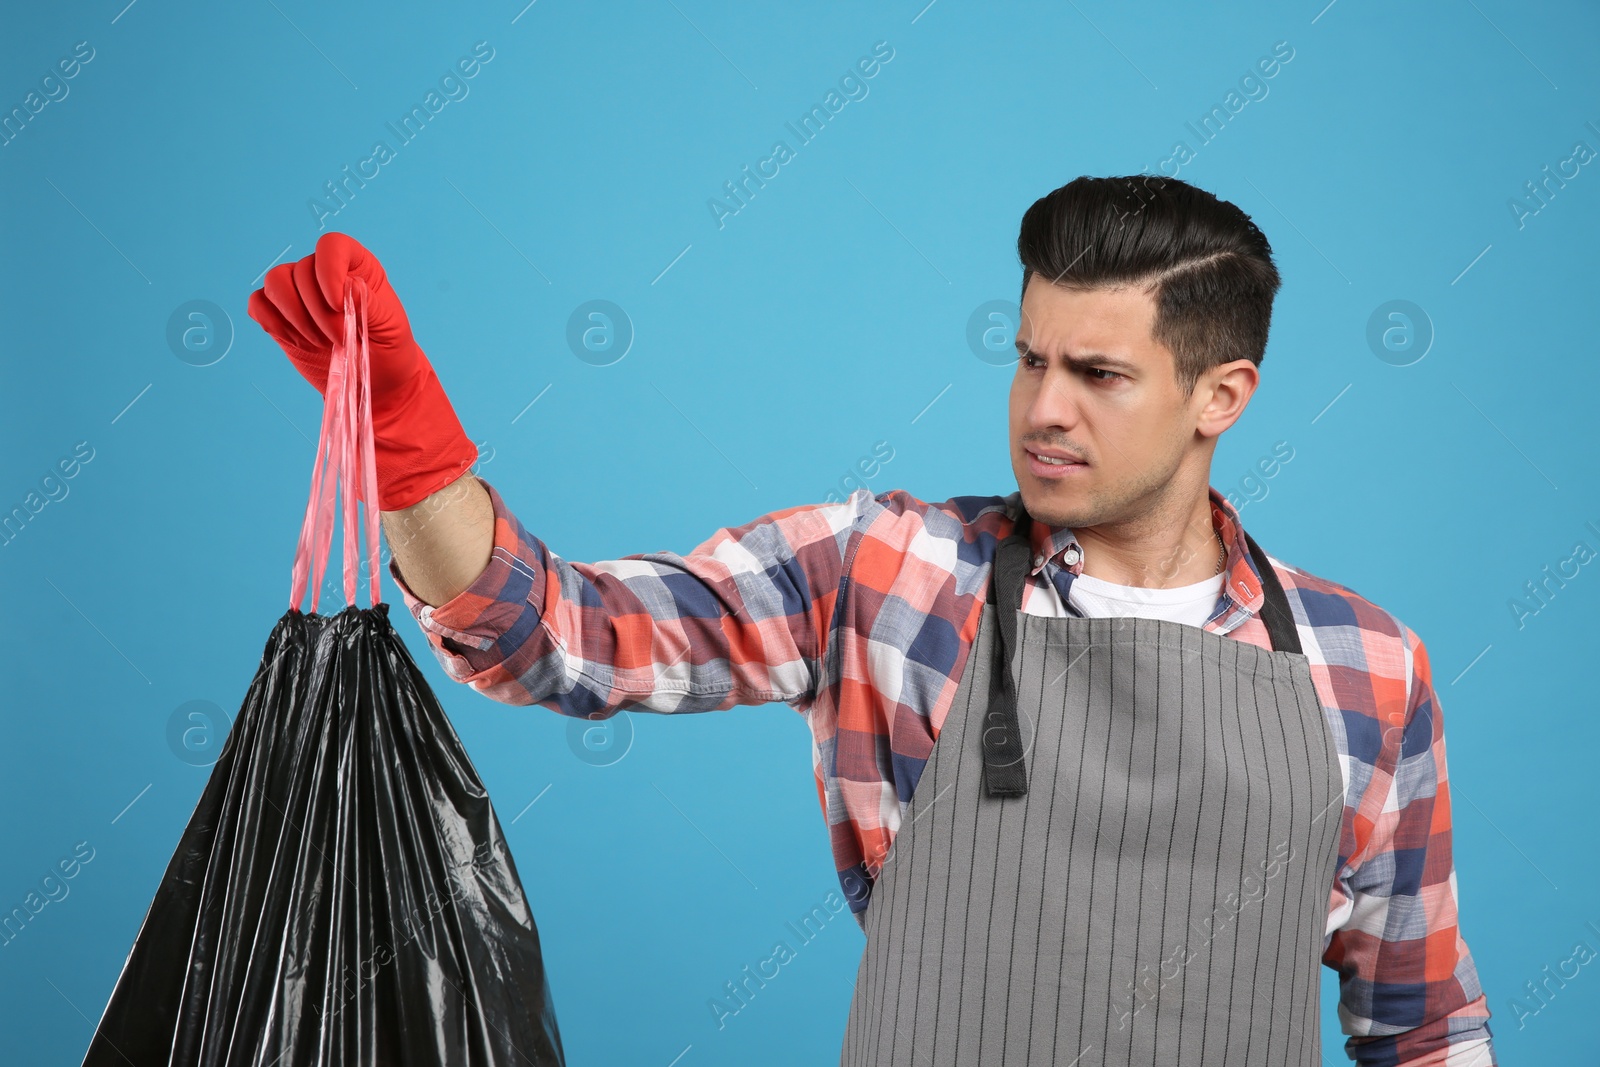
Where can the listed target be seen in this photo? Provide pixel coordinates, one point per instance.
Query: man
(1111, 779)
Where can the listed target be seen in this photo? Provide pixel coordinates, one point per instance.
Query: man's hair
(1210, 266)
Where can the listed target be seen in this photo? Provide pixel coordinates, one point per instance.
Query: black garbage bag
(343, 893)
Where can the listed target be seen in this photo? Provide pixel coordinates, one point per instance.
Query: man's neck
(1159, 552)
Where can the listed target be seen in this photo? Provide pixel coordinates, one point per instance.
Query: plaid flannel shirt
(860, 615)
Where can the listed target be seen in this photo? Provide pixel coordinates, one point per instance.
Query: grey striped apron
(1120, 851)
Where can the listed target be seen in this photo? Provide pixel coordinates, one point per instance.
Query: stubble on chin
(1085, 506)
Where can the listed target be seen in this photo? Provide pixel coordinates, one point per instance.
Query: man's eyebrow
(1087, 361)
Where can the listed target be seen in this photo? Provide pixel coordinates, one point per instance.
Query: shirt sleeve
(741, 619)
(1408, 988)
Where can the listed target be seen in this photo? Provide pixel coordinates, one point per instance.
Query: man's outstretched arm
(740, 619)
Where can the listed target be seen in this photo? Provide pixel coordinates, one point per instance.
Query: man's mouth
(1054, 457)
(1054, 463)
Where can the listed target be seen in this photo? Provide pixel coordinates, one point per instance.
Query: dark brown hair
(1210, 267)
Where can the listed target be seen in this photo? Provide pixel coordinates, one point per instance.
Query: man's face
(1116, 407)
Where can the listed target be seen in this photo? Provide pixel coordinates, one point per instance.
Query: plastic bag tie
(344, 452)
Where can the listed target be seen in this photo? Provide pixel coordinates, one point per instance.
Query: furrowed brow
(1087, 361)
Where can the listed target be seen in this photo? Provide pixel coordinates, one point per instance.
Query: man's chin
(1048, 501)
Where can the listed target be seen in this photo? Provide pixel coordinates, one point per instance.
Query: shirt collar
(1242, 587)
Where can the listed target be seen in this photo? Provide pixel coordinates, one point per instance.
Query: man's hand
(419, 444)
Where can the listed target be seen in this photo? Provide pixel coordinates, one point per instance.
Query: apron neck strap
(1275, 608)
(1005, 771)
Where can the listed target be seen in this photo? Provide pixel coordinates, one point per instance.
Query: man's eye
(1101, 370)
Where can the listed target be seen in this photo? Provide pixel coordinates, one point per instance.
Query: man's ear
(1223, 393)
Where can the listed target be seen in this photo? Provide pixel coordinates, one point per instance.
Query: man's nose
(1054, 405)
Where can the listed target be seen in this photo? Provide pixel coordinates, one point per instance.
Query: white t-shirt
(1192, 604)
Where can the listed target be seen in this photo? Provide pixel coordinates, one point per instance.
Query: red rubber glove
(418, 443)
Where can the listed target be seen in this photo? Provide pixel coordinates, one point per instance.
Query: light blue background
(827, 315)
